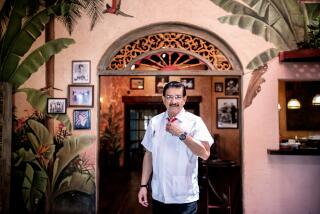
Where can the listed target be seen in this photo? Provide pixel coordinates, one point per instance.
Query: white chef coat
(175, 167)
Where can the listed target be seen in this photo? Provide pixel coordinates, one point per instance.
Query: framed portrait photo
(227, 113)
(80, 95)
(218, 87)
(56, 105)
(81, 119)
(188, 82)
(137, 83)
(160, 82)
(81, 72)
(232, 86)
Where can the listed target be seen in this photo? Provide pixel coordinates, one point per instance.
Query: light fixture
(294, 104)
(279, 106)
(316, 100)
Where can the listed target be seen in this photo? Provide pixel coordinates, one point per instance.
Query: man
(174, 140)
(80, 74)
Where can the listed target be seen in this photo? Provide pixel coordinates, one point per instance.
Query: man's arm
(146, 172)
(199, 148)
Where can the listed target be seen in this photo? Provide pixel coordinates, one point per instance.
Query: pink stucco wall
(271, 184)
(277, 184)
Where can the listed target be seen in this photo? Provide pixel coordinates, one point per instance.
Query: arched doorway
(175, 51)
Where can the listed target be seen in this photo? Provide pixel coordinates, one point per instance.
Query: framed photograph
(80, 95)
(218, 87)
(227, 113)
(160, 82)
(137, 83)
(188, 82)
(81, 119)
(231, 86)
(56, 105)
(81, 72)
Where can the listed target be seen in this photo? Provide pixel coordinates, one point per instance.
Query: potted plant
(110, 146)
(309, 49)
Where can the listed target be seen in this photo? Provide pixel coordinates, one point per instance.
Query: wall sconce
(316, 100)
(294, 104)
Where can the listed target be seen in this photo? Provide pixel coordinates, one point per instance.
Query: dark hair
(174, 84)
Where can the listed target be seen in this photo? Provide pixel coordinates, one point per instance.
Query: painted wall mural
(283, 23)
(52, 174)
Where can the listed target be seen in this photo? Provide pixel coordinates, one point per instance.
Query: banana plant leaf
(41, 138)
(257, 27)
(37, 58)
(22, 41)
(38, 100)
(15, 22)
(277, 21)
(33, 186)
(262, 58)
(76, 182)
(286, 16)
(72, 146)
(23, 155)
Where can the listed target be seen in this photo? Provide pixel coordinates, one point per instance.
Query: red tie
(172, 119)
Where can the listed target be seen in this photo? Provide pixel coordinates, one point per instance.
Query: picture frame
(218, 87)
(137, 83)
(81, 72)
(56, 105)
(160, 82)
(81, 119)
(227, 113)
(231, 86)
(80, 95)
(188, 82)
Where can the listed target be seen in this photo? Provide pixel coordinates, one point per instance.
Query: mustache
(174, 105)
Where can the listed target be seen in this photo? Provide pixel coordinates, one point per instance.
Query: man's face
(174, 101)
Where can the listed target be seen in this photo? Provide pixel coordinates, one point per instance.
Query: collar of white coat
(180, 116)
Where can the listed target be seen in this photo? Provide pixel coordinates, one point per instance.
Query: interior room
(81, 80)
(132, 101)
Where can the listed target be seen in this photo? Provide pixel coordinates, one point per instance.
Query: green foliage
(38, 100)
(110, 140)
(313, 38)
(48, 172)
(262, 58)
(281, 22)
(15, 66)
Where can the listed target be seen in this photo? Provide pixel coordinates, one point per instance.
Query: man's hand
(142, 196)
(173, 129)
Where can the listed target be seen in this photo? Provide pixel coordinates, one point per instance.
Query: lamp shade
(294, 104)
(316, 100)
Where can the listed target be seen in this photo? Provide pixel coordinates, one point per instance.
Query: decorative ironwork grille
(170, 40)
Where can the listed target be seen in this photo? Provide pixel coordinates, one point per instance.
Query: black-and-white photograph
(81, 72)
(160, 82)
(188, 82)
(218, 87)
(232, 86)
(80, 95)
(227, 113)
(56, 105)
